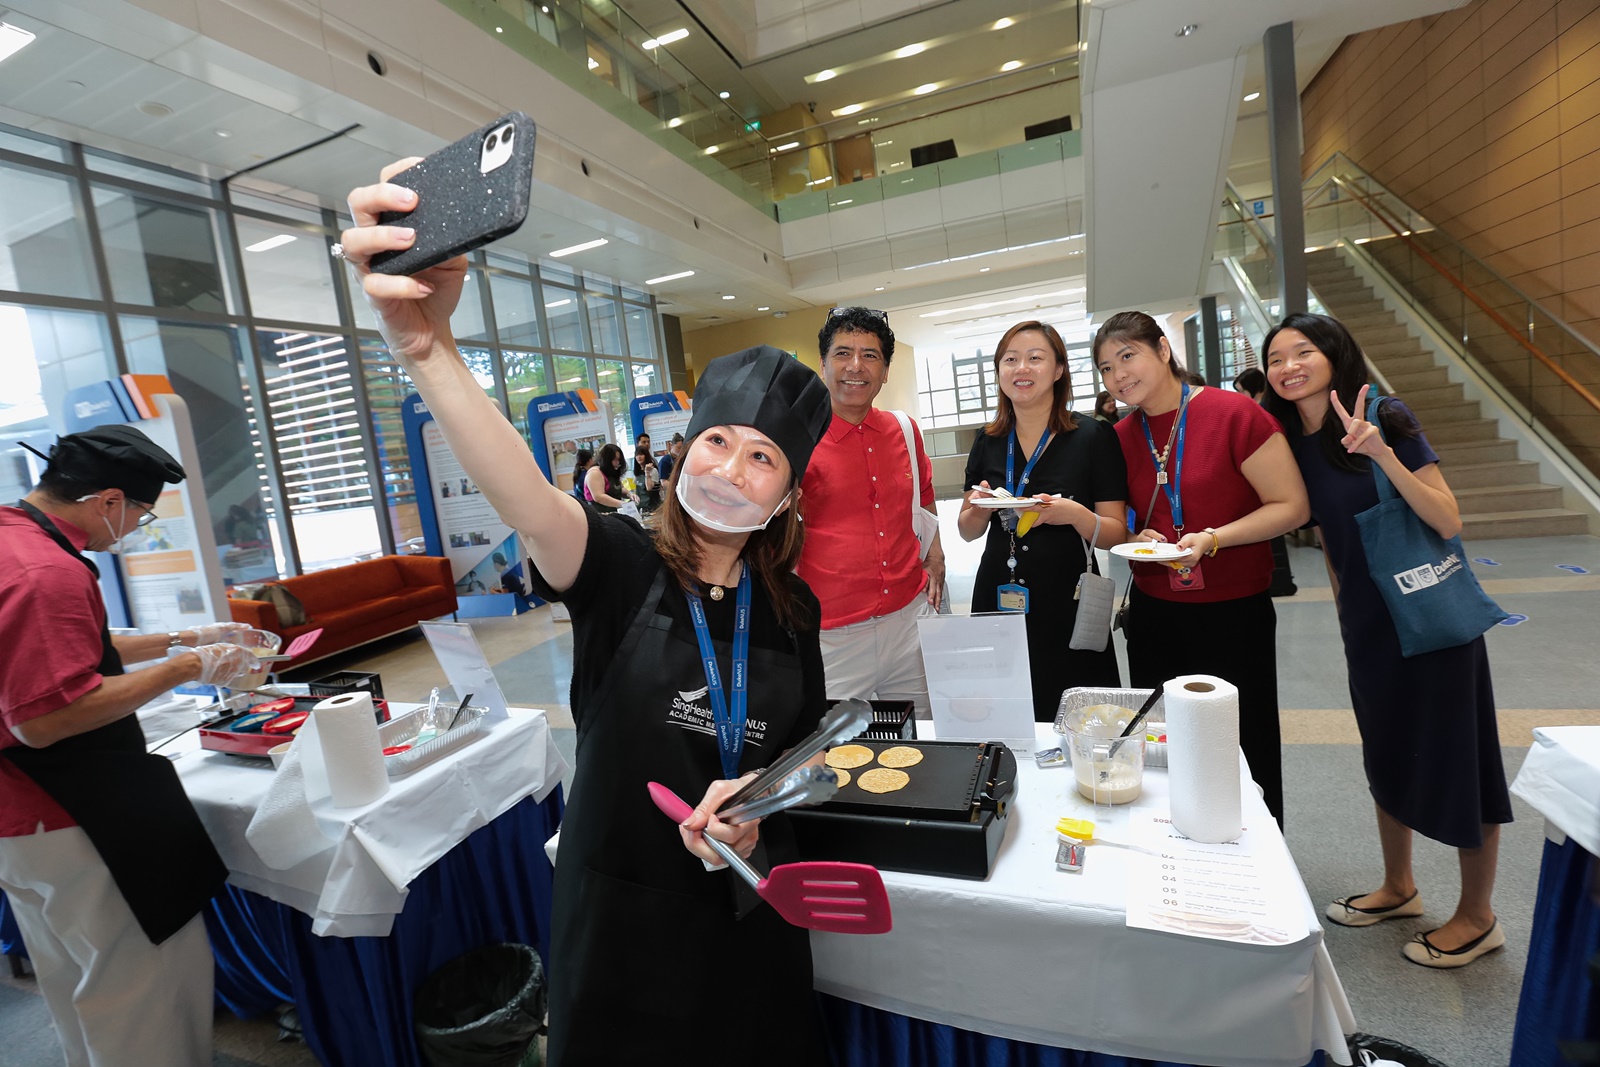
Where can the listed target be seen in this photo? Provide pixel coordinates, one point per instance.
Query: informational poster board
(459, 523)
(173, 582)
(561, 424)
(661, 415)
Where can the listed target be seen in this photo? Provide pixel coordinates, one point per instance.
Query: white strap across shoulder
(911, 450)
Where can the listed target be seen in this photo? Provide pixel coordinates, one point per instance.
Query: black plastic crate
(892, 720)
(348, 682)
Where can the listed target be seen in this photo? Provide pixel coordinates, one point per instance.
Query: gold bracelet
(1216, 541)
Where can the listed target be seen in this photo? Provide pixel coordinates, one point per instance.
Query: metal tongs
(808, 785)
(847, 719)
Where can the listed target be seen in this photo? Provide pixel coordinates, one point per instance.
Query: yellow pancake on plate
(883, 780)
(900, 756)
(848, 756)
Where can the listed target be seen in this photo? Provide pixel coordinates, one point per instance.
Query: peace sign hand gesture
(1361, 438)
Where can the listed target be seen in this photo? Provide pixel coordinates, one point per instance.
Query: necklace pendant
(717, 592)
(1161, 477)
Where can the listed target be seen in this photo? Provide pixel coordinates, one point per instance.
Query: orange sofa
(358, 603)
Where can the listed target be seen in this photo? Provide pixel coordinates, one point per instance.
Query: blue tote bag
(1432, 595)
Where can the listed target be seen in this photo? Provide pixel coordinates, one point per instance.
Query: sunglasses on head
(836, 312)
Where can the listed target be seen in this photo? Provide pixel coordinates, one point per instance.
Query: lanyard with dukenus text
(729, 721)
(1175, 449)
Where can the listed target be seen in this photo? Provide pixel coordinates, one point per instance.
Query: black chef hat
(115, 457)
(770, 390)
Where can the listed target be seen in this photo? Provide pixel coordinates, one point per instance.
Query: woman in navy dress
(1429, 738)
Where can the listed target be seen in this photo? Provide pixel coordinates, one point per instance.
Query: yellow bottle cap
(1077, 829)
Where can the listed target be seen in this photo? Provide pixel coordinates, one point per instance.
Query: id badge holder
(1186, 580)
(1013, 597)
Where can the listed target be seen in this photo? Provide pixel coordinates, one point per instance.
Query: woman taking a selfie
(644, 936)
(1429, 738)
(1209, 471)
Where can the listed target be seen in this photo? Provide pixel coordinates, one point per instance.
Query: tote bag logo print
(1419, 578)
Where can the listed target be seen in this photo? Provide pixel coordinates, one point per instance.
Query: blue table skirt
(354, 993)
(1558, 998)
(869, 1037)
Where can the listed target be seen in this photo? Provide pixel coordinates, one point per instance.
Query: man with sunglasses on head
(101, 854)
(862, 556)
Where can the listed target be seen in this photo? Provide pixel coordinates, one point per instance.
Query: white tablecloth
(1035, 954)
(358, 885)
(1561, 779)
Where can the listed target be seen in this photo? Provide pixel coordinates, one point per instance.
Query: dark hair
(771, 554)
(1134, 326)
(677, 439)
(499, 560)
(584, 457)
(1062, 419)
(610, 456)
(641, 436)
(60, 487)
(1349, 374)
(1250, 380)
(856, 320)
(1100, 406)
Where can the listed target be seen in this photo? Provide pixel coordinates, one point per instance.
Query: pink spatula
(297, 646)
(838, 898)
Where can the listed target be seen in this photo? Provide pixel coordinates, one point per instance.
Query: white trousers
(116, 999)
(880, 658)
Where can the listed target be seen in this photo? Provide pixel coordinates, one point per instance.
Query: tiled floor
(1545, 673)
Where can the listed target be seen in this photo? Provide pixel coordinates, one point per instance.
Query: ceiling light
(224, 133)
(842, 203)
(1251, 96)
(910, 50)
(724, 95)
(819, 181)
(848, 109)
(713, 150)
(666, 38)
(925, 88)
(786, 147)
(727, 296)
(498, 29)
(559, 303)
(669, 277)
(877, 289)
(983, 270)
(1011, 65)
(1001, 24)
(823, 75)
(13, 39)
(1185, 31)
(584, 247)
(545, 8)
(763, 307)
(270, 242)
(593, 63)
(674, 123)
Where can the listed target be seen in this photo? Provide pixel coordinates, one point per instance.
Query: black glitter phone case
(460, 208)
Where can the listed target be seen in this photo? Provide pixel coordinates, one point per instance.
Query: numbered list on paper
(1232, 891)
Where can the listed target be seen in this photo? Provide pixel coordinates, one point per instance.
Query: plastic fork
(838, 898)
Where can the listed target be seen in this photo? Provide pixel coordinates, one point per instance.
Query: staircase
(1500, 495)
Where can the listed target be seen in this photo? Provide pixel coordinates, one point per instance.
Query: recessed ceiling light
(584, 247)
(848, 109)
(823, 75)
(910, 50)
(819, 181)
(713, 150)
(1251, 96)
(13, 39)
(877, 289)
(224, 133)
(270, 242)
(669, 277)
(724, 95)
(499, 29)
(666, 38)
(983, 270)
(728, 296)
(1001, 24)
(842, 203)
(1185, 31)
(1011, 64)
(763, 307)
(559, 303)
(925, 88)
(593, 63)
(155, 109)
(674, 123)
(545, 8)
(785, 147)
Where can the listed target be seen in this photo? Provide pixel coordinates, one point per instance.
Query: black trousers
(1235, 640)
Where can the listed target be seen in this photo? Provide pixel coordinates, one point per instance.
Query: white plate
(1148, 551)
(996, 503)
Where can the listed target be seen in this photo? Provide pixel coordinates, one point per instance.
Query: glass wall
(111, 266)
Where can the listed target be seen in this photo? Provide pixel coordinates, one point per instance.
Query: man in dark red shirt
(82, 808)
(862, 555)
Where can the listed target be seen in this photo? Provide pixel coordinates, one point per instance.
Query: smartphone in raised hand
(468, 194)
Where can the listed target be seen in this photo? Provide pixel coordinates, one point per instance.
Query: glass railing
(595, 46)
(1547, 372)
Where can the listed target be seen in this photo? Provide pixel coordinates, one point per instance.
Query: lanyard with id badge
(1181, 579)
(729, 721)
(1013, 596)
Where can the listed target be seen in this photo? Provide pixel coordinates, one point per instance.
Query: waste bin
(483, 1009)
(1389, 1051)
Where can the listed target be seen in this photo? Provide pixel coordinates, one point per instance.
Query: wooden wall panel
(1487, 120)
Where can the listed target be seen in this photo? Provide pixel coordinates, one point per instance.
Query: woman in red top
(1230, 486)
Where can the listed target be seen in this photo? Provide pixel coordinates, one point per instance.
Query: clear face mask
(132, 541)
(718, 504)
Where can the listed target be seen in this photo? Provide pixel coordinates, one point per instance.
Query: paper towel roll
(1203, 757)
(347, 733)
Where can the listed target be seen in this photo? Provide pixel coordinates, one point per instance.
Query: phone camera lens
(493, 138)
(505, 135)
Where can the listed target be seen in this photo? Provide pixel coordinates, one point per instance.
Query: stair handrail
(1494, 316)
(1248, 218)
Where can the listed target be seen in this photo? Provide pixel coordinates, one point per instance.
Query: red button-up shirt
(51, 615)
(861, 555)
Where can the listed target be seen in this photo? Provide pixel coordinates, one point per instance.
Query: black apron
(645, 940)
(129, 803)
